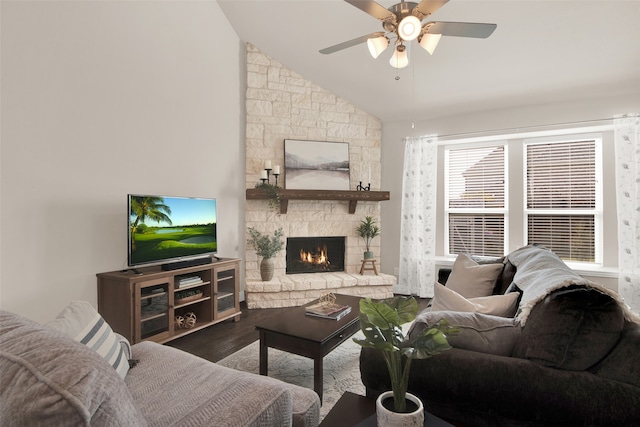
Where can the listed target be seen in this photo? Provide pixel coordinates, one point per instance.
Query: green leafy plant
(368, 230)
(381, 322)
(272, 191)
(266, 246)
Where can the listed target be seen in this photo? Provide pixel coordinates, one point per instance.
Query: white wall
(100, 99)
(393, 149)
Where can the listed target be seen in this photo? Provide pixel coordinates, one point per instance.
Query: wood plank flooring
(219, 341)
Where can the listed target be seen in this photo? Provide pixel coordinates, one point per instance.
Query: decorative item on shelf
(179, 322)
(272, 192)
(189, 295)
(381, 323)
(190, 320)
(368, 230)
(266, 173)
(266, 247)
(316, 165)
(360, 187)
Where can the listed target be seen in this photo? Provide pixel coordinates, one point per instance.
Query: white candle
(267, 164)
(263, 175)
(276, 170)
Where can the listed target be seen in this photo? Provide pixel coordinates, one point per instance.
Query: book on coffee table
(335, 311)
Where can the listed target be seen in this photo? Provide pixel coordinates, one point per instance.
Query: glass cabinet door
(152, 310)
(225, 291)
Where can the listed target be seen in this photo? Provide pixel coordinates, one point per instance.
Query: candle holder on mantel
(268, 171)
(360, 187)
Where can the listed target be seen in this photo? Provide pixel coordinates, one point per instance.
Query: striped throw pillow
(80, 321)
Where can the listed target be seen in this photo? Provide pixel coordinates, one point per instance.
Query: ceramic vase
(388, 418)
(266, 269)
(368, 255)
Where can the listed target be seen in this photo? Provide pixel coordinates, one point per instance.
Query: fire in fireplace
(314, 254)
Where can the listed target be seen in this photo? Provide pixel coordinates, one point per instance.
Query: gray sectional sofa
(49, 379)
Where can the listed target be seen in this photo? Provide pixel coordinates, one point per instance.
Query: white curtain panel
(627, 148)
(418, 217)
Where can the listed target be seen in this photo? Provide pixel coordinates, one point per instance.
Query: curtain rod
(523, 128)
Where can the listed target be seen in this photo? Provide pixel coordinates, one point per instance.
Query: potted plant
(266, 247)
(368, 230)
(381, 323)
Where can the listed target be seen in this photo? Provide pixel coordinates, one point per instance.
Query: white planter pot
(387, 418)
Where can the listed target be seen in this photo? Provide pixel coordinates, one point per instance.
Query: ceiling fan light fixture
(399, 59)
(429, 42)
(377, 45)
(409, 28)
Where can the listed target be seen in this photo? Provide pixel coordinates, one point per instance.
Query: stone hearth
(298, 289)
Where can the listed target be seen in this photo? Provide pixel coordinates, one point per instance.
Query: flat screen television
(167, 230)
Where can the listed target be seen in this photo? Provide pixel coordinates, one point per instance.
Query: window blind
(561, 197)
(475, 200)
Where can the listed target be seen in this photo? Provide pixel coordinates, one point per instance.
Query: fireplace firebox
(314, 254)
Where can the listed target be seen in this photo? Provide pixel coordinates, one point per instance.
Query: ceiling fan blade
(350, 43)
(461, 29)
(427, 7)
(372, 8)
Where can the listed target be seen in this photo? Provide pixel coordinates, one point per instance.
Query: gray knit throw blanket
(540, 271)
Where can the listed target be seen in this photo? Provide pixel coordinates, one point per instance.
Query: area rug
(341, 369)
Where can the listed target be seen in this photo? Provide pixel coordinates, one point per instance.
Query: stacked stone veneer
(281, 105)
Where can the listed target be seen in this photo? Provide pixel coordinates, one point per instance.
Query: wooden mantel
(340, 195)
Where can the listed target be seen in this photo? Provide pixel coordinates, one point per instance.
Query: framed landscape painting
(316, 165)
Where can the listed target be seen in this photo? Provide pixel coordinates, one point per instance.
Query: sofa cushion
(50, 379)
(478, 332)
(80, 321)
(572, 328)
(177, 388)
(446, 299)
(621, 364)
(471, 279)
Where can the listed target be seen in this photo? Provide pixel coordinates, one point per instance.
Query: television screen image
(165, 229)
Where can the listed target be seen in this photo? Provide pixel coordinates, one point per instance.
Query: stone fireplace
(314, 254)
(281, 104)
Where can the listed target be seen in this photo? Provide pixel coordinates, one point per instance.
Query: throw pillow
(478, 332)
(80, 321)
(51, 379)
(446, 299)
(471, 280)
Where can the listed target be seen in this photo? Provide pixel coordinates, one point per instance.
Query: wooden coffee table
(308, 336)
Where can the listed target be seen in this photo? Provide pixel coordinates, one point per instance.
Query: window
(552, 198)
(475, 202)
(562, 205)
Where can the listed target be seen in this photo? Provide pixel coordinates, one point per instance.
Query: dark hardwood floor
(219, 341)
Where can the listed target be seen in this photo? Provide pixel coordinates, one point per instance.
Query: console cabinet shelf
(339, 195)
(151, 303)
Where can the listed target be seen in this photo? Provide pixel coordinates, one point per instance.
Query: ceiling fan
(403, 21)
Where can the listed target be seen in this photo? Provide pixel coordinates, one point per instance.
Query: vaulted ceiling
(541, 52)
